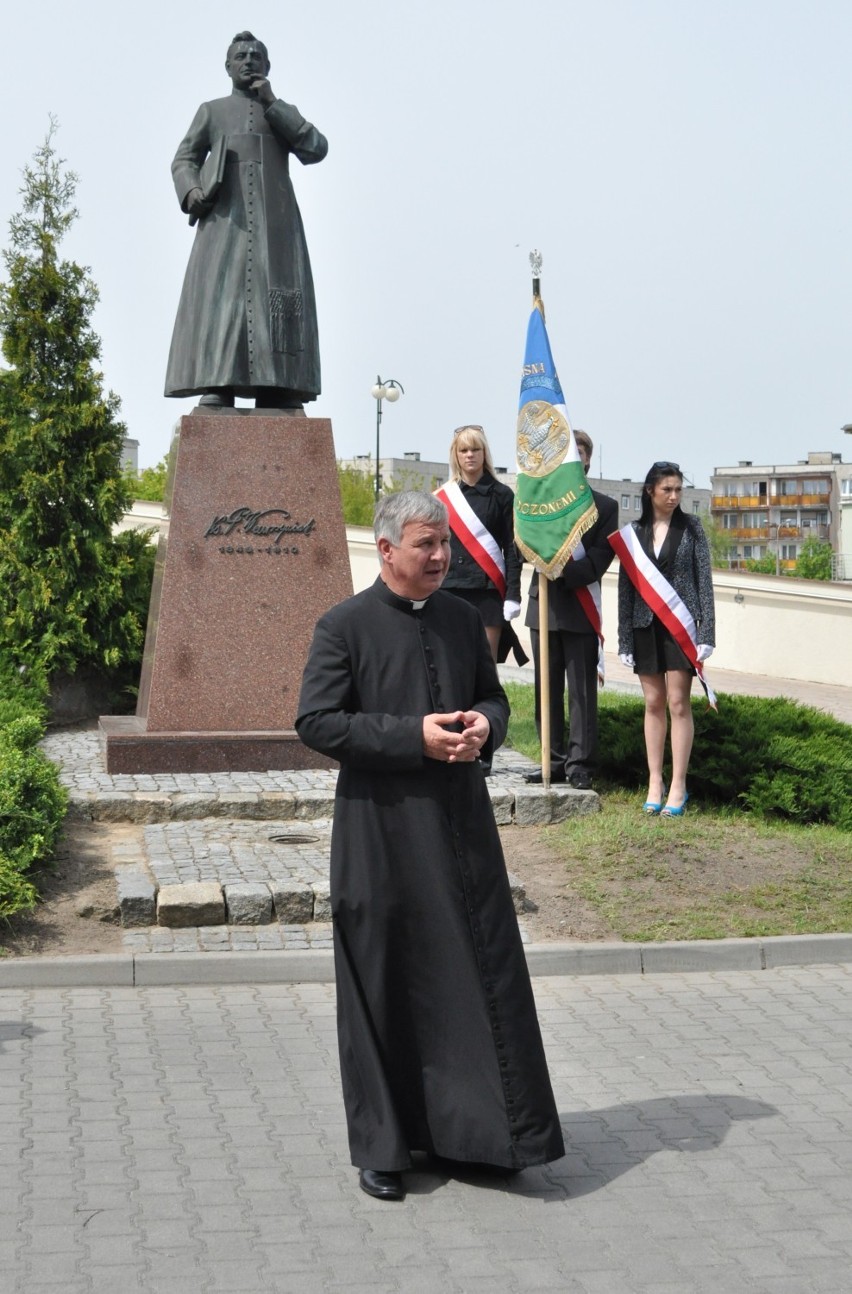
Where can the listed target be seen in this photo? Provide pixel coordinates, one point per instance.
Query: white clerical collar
(418, 606)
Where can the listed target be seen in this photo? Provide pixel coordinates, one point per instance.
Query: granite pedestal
(252, 552)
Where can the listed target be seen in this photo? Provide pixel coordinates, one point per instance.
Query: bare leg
(492, 633)
(679, 687)
(654, 689)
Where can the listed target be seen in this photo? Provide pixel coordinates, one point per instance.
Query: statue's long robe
(247, 314)
(440, 1048)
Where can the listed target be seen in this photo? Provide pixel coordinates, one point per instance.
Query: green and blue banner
(554, 506)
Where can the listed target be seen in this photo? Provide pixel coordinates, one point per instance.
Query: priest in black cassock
(440, 1048)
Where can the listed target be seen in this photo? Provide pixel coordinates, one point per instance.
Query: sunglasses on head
(665, 465)
(468, 426)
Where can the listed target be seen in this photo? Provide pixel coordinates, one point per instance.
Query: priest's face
(418, 565)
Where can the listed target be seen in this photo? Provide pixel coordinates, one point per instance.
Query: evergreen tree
(71, 594)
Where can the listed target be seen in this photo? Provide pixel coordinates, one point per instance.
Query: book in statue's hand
(212, 172)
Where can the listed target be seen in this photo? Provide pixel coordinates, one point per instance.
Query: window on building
(789, 519)
(788, 552)
(625, 502)
(846, 487)
(788, 486)
(637, 502)
(750, 550)
(817, 487)
(696, 507)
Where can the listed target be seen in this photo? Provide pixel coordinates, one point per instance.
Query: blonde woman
(485, 567)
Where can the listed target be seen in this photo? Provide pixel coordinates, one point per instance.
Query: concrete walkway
(191, 1140)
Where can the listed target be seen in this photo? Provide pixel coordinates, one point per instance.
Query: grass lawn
(717, 872)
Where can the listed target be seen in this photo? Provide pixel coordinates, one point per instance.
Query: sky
(683, 167)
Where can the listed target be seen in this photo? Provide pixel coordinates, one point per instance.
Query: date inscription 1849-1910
(272, 525)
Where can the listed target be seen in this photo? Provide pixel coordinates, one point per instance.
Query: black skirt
(488, 603)
(655, 650)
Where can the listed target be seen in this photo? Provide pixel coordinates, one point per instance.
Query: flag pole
(543, 592)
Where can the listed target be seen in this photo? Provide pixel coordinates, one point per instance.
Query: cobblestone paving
(191, 1140)
(220, 939)
(209, 850)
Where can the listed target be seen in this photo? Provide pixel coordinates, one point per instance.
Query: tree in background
(72, 594)
(150, 484)
(719, 540)
(765, 565)
(814, 560)
(357, 494)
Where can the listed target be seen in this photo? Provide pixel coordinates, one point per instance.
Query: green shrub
(32, 802)
(772, 756)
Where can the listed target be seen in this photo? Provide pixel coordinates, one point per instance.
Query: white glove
(626, 659)
(703, 652)
(511, 610)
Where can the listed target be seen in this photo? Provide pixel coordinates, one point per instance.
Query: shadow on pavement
(601, 1145)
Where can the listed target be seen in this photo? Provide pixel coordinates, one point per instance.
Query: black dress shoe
(382, 1186)
(537, 778)
(580, 779)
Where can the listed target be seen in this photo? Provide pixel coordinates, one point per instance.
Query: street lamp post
(389, 390)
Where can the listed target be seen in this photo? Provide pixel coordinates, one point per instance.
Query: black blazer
(685, 562)
(563, 607)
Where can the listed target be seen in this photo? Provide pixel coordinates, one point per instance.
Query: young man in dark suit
(573, 645)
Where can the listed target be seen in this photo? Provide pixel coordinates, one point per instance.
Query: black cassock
(440, 1048)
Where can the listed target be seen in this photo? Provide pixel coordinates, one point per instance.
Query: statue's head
(247, 58)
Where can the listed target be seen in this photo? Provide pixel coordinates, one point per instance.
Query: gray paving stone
(247, 904)
(137, 896)
(535, 806)
(294, 904)
(197, 904)
(322, 902)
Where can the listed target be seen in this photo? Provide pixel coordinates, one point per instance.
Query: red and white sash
(472, 534)
(589, 598)
(654, 589)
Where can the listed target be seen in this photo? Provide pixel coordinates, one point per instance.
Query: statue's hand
(263, 90)
(197, 205)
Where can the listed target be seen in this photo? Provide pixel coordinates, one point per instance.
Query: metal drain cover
(294, 838)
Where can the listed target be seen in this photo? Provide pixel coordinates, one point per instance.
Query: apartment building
(776, 508)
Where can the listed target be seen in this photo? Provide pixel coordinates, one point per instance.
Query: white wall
(765, 624)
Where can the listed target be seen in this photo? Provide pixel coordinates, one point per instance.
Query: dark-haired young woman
(666, 624)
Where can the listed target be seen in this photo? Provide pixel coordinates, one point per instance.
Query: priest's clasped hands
(455, 747)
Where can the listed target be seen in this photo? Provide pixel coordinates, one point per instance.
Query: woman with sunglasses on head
(485, 567)
(666, 624)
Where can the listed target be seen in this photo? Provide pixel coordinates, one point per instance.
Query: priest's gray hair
(395, 511)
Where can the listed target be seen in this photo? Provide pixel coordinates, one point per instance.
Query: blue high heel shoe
(653, 807)
(671, 812)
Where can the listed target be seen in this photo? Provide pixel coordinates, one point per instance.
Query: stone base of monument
(130, 748)
(252, 552)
